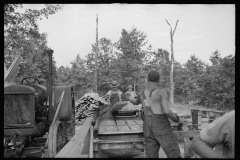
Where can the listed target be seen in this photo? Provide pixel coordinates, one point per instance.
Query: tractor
(37, 121)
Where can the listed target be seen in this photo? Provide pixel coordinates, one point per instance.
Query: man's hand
(180, 122)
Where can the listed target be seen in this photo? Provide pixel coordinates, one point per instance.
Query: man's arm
(133, 100)
(164, 103)
(120, 95)
(109, 94)
(203, 150)
(215, 133)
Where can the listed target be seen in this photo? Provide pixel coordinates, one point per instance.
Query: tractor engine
(25, 114)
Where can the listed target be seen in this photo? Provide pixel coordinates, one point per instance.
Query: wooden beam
(120, 133)
(13, 67)
(58, 108)
(91, 143)
(120, 141)
(75, 145)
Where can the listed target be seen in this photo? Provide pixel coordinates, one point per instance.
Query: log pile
(87, 105)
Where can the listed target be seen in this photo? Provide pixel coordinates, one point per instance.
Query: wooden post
(172, 61)
(96, 57)
(194, 118)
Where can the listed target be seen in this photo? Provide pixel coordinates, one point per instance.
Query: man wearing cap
(114, 95)
(157, 128)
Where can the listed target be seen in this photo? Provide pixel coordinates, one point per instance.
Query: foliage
(212, 86)
(22, 37)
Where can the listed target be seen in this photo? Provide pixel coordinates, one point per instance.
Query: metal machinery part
(56, 139)
(25, 79)
(30, 123)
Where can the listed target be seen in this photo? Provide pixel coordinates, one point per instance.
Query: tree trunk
(171, 73)
(96, 57)
(134, 85)
(172, 61)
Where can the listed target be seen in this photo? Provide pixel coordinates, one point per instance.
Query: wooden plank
(111, 129)
(102, 129)
(12, 66)
(121, 122)
(124, 129)
(80, 156)
(130, 122)
(120, 136)
(86, 144)
(115, 146)
(91, 143)
(136, 128)
(139, 121)
(120, 141)
(58, 108)
(107, 122)
(74, 146)
(119, 133)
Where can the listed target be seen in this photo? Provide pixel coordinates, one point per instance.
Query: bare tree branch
(175, 28)
(168, 23)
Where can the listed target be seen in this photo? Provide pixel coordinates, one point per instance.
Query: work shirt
(114, 100)
(221, 131)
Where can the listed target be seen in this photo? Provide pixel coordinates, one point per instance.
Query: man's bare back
(158, 95)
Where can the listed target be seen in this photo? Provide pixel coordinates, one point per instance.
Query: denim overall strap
(146, 107)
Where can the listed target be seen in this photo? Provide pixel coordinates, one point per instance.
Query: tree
(105, 58)
(172, 60)
(131, 55)
(22, 37)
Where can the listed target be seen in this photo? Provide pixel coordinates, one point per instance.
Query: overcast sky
(201, 29)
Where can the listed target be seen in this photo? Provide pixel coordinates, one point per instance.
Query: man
(114, 95)
(220, 131)
(130, 90)
(157, 128)
(130, 106)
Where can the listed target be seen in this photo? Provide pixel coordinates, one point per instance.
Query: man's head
(114, 85)
(130, 87)
(153, 76)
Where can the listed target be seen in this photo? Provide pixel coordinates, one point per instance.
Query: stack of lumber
(87, 105)
(12, 71)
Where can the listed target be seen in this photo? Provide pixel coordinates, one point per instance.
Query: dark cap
(153, 76)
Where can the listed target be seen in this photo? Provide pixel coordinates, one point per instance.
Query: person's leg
(170, 146)
(152, 148)
(151, 145)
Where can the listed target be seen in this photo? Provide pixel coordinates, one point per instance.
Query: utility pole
(96, 57)
(172, 61)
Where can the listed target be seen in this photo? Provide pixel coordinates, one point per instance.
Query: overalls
(114, 98)
(158, 132)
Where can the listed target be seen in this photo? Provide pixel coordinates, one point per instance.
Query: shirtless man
(156, 127)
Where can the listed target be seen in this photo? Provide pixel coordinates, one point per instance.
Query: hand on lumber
(180, 121)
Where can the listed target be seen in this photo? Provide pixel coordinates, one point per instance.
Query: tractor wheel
(56, 138)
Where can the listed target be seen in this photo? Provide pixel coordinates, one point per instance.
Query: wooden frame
(75, 147)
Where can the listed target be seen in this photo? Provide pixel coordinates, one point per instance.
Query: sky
(201, 29)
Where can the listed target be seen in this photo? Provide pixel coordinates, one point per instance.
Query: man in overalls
(114, 95)
(130, 106)
(157, 128)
